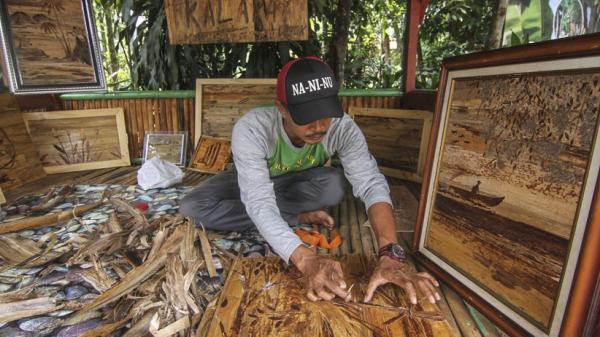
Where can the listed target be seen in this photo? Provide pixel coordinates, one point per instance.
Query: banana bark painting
(50, 43)
(514, 158)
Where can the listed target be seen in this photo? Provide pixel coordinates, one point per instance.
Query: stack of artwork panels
(267, 297)
(511, 185)
(79, 140)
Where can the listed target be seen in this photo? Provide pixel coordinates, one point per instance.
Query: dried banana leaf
(171, 329)
(207, 252)
(138, 274)
(51, 200)
(27, 308)
(136, 213)
(46, 220)
(141, 326)
(97, 278)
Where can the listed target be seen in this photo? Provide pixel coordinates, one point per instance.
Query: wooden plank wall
(177, 114)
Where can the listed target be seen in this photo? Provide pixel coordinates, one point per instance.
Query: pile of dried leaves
(128, 277)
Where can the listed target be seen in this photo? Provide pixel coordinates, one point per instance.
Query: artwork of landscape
(50, 42)
(513, 165)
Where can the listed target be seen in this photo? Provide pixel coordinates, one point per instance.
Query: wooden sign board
(215, 21)
(266, 297)
(221, 102)
(19, 162)
(79, 140)
(211, 155)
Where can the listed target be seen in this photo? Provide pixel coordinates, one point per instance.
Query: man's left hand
(402, 274)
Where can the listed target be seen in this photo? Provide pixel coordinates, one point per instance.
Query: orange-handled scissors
(314, 238)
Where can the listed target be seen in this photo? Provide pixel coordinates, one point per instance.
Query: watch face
(397, 251)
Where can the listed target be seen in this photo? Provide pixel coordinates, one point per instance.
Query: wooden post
(415, 14)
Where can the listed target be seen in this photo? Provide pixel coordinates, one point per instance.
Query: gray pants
(216, 202)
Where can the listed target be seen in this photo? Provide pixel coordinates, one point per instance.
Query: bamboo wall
(177, 114)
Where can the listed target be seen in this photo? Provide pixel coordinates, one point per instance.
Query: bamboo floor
(464, 320)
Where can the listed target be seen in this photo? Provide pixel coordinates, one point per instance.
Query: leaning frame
(18, 55)
(579, 270)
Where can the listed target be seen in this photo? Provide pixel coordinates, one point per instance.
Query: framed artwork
(220, 102)
(50, 46)
(168, 146)
(78, 140)
(398, 138)
(212, 155)
(508, 213)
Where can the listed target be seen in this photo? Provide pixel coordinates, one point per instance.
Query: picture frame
(50, 47)
(509, 212)
(212, 155)
(79, 140)
(220, 102)
(167, 145)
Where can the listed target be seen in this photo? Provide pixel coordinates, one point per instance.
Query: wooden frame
(66, 143)
(425, 116)
(167, 145)
(50, 49)
(556, 65)
(211, 156)
(242, 95)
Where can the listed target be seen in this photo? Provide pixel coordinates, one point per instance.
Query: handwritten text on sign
(213, 21)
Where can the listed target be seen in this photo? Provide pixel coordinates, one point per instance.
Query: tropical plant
(450, 28)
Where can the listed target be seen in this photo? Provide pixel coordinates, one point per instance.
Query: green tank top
(285, 160)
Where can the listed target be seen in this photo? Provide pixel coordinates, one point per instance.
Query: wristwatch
(394, 251)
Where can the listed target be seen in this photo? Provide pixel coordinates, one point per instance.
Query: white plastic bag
(157, 173)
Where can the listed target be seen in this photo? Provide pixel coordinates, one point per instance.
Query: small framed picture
(169, 146)
(212, 155)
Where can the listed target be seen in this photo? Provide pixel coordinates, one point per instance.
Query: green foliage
(527, 21)
(450, 28)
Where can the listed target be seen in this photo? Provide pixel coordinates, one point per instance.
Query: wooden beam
(414, 14)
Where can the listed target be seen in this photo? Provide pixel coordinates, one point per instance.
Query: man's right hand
(324, 276)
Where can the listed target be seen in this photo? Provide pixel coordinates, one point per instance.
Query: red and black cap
(307, 87)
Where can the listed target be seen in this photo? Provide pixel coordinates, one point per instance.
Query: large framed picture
(50, 46)
(509, 211)
(79, 140)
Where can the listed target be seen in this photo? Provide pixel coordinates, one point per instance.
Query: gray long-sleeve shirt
(254, 140)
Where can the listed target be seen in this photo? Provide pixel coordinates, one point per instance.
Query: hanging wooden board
(79, 140)
(19, 162)
(212, 155)
(265, 297)
(221, 102)
(217, 21)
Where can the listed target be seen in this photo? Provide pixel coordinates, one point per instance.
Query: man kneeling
(279, 180)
